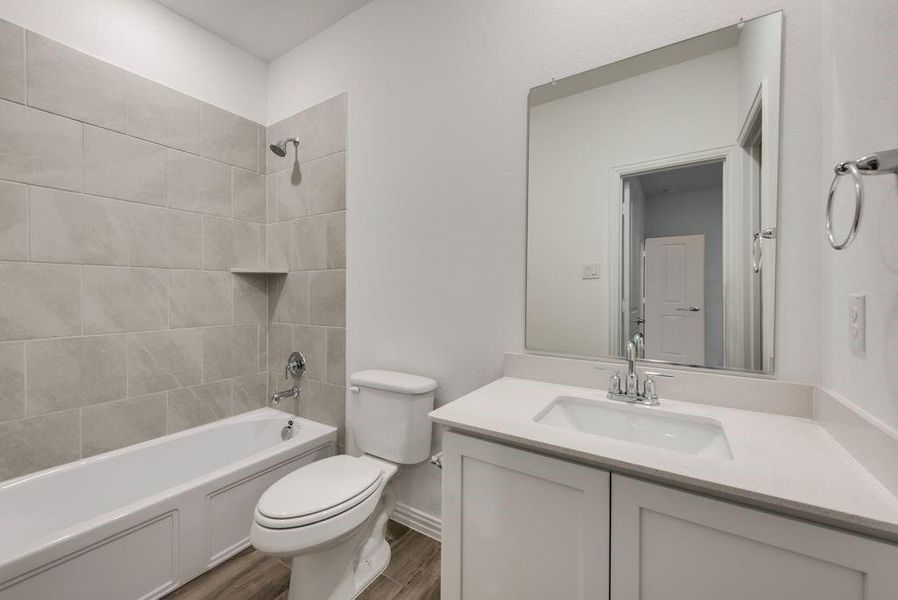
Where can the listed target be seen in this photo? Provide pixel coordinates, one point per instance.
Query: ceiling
(264, 28)
(683, 179)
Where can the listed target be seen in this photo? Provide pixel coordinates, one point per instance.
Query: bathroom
(283, 314)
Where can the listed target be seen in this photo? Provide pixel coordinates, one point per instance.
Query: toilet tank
(388, 414)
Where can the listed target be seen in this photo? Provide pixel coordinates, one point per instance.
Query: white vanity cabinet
(521, 525)
(668, 544)
(518, 524)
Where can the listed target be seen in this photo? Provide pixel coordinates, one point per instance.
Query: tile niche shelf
(243, 271)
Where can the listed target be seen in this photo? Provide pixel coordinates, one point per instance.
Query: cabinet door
(673, 545)
(521, 525)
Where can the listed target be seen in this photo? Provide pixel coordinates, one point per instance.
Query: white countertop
(782, 463)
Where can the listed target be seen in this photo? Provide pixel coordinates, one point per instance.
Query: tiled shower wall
(123, 205)
(307, 237)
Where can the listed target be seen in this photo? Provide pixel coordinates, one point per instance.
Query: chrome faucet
(633, 390)
(296, 367)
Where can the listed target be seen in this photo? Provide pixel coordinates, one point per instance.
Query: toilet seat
(317, 492)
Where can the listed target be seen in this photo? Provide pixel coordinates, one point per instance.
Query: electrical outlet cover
(857, 322)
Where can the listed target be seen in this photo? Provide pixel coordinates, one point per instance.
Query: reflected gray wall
(690, 213)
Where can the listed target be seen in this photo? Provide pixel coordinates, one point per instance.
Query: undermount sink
(648, 426)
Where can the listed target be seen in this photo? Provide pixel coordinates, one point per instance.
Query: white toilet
(330, 516)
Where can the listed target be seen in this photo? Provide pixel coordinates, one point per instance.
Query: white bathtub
(138, 522)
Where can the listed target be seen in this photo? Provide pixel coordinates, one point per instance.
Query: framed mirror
(652, 204)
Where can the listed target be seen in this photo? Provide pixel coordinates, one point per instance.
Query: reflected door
(674, 299)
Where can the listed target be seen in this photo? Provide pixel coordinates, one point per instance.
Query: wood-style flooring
(413, 574)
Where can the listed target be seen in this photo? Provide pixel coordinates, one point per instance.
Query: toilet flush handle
(354, 389)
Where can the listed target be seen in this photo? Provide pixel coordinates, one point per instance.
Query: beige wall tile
(120, 166)
(249, 195)
(262, 145)
(228, 244)
(12, 62)
(113, 425)
(336, 356)
(230, 351)
(74, 372)
(271, 198)
(280, 246)
(164, 360)
(40, 148)
(200, 298)
(162, 115)
(229, 138)
(13, 220)
(311, 341)
(280, 345)
(291, 193)
(319, 242)
(327, 291)
(326, 184)
(39, 301)
(29, 445)
(117, 299)
(198, 184)
(322, 129)
(12, 381)
(165, 238)
(250, 299)
(289, 299)
(310, 243)
(198, 405)
(250, 392)
(336, 240)
(74, 228)
(263, 346)
(325, 404)
(320, 188)
(70, 83)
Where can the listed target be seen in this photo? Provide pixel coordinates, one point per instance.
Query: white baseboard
(420, 521)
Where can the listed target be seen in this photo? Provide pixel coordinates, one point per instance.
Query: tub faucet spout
(296, 368)
(278, 396)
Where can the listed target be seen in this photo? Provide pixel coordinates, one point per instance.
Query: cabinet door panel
(673, 545)
(521, 525)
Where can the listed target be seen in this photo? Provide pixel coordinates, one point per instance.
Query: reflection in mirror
(652, 204)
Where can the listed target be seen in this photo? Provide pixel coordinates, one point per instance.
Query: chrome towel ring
(879, 163)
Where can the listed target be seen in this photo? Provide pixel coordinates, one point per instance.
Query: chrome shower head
(280, 149)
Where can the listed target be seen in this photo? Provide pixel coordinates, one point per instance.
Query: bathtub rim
(61, 544)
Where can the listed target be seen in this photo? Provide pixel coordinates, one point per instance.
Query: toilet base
(333, 574)
(343, 570)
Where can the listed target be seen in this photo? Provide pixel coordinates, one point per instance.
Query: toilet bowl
(330, 516)
(330, 519)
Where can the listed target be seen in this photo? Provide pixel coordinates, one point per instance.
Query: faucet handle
(296, 366)
(648, 388)
(614, 383)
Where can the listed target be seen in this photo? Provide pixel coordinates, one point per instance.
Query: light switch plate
(857, 322)
(591, 271)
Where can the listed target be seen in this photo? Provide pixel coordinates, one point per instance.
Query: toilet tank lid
(393, 381)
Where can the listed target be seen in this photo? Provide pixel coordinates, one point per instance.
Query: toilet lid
(319, 486)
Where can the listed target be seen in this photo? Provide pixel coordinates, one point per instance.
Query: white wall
(437, 161)
(575, 142)
(154, 42)
(860, 96)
